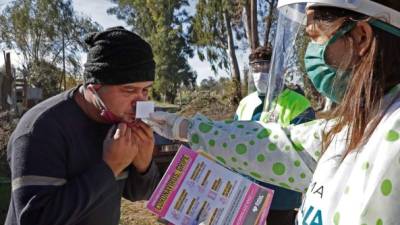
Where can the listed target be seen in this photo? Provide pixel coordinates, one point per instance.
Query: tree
(212, 34)
(247, 15)
(269, 20)
(161, 23)
(45, 32)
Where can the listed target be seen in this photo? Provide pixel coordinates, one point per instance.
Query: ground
(135, 213)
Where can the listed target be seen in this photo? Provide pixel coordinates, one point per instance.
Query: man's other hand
(119, 148)
(142, 135)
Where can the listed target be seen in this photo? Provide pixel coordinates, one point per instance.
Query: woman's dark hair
(372, 77)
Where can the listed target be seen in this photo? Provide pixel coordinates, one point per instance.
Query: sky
(97, 10)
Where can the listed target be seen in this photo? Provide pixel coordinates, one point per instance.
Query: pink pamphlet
(197, 190)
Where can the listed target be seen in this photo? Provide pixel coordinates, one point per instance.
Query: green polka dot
(216, 132)
(261, 158)
(287, 148)
(195, 139)
(255, 174)
(233, 136)
(219, 158)
(386, 187)
(379, 222)
(205, 128)
(336, 218)
(392, 136)
(241, 149)
(255, 129)
(365, 166)
(264, 134)
(211, 143)
(252, 142)
(228, 121)
(272, 147)
(225, 145)
(316, 136)
(291, 179)
(278, 168)
(284, 185)
(234, 159)
(317, 153)
(303, 175)
(272, 179)
(240, 126)
(245, 163)
(298, 146)
(275, 136)
(297, 163)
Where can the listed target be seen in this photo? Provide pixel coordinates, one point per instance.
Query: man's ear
(363, 36)
(93, 87)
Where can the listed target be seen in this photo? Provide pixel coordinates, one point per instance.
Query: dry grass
(135, 213)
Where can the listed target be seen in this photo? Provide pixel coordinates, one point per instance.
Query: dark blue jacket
(58, 174)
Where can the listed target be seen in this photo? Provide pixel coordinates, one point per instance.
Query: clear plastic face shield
(288, 51)
(259, 76)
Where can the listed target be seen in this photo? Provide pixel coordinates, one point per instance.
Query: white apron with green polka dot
(361, 188)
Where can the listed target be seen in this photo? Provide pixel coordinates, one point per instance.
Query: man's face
(121, 99)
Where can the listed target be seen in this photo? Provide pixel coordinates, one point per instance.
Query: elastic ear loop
(98, 102)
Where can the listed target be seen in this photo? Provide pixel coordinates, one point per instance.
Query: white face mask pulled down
(261, 82)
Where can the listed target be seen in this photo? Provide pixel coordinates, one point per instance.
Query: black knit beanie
(118, 56)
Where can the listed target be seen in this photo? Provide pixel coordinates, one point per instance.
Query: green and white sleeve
(265, 151)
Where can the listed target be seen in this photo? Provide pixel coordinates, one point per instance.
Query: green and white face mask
(324, 77)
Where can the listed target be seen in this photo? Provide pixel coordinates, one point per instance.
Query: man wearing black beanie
(74, 155)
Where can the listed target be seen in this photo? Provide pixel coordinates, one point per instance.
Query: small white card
(143, 109)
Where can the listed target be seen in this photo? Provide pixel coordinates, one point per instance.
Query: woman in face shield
(347, 164)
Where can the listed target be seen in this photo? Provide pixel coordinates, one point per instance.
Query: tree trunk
(268, 22)
(6, 84)
(63, 55)
(254, 25)
(234, 63)
(246, 82)
(247, 10)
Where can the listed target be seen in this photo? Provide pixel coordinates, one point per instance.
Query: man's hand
(119, 148)
(142, 135)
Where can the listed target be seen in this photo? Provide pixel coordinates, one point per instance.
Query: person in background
(74, 155)
(347, 164)
(292, 108)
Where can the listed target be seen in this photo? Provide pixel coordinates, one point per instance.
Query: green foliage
(40, 30)
(213, 98)
(46, 76)
(161, 23)
(212, 33)
(208, 33)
